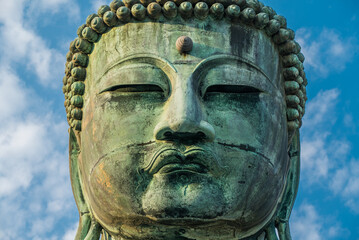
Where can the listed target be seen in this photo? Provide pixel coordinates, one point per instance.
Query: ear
(291, 188)
(88, 228)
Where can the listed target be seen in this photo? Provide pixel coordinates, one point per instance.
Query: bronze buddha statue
(184, 120)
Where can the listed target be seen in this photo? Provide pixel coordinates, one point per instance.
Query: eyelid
(134, 88)
(134, 73)
(224, 88)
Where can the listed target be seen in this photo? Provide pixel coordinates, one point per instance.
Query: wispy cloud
(20, 44)
(308, 224)
(12, 93)
(345, 182)
(35, 190)
(38, 7)
(320, 150)
(34, 177)
(71, 233)
(321, 108)
(325, 156)
(97, 3)
(326, 51)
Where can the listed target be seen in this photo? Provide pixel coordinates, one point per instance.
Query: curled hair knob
(90, 34)
(80, 59)
(69, 56)
(261, 20)
(138, 11)
(115, 4)
(77, 101)
(79, 30)
(254, 4)
(89, 19)
(282, 20)
(301, 57)
(186, 9)
(233, 11)
(248, 15)
(83, 46)
(268, 10)
(170, 9)
(98, 25)
(104, 8)
(123, 14)
(282, 36)
(217, 10)
(110, 18)
(272, 27)
(154, 10)
(201, 10)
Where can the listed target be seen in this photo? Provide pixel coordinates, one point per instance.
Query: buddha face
(170, 141)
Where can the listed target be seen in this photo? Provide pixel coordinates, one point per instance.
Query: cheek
(116, 184)
(113, 183)
(245, 119)
(124, 120)
(257, 121)
(252, 185)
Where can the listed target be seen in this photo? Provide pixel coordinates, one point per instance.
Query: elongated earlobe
(88, 227)
(291, 189)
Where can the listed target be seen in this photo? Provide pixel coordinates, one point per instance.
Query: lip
(175, 167)
(171, 160)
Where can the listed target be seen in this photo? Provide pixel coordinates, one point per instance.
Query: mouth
(175, 168)
(169, 161)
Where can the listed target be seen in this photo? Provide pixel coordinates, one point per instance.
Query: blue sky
(35, 195)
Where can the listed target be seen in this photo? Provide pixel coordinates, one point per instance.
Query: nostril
(167, 134)
(201, 135)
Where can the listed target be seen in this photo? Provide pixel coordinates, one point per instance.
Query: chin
(185, 228)
(194, 207)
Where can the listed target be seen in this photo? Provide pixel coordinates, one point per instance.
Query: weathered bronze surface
(184, 121)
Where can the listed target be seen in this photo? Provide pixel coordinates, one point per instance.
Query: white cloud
(306, 224)
(319, 157)
(35, 189)
(327, 51)
(70, 233)
(315, 159)
(12, 94)
(97, 3)
(43, 9)
(320, 109)
(21, 45)
(325, 155)
(345, 182)
(349, 122)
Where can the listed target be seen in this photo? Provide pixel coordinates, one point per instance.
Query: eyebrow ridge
(204, 64)
(147, 59)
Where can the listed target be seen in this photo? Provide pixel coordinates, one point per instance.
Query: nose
(184, 129)
(182, 118)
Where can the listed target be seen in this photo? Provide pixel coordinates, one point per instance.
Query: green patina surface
(200, 143)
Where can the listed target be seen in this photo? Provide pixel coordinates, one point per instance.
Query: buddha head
(184, 120)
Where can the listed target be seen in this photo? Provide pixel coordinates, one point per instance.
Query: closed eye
(242, 89)
(134, 88)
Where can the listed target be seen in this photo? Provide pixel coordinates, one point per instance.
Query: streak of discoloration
(103, 179)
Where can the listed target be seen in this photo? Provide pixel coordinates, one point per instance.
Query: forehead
(210, 38)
